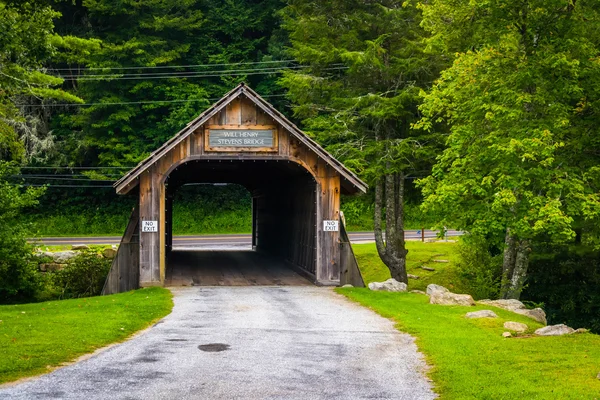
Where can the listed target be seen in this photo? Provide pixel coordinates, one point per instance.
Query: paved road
(222, 240)
(275, 342)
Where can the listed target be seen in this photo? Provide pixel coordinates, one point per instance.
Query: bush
(18, 279)
(84, 276)
(567, 280)
(479, 269)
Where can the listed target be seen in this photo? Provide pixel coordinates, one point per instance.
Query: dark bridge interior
(283, 225)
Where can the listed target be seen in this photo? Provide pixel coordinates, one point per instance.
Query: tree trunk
(514, 266)
(508, 263)
(520, 271)
(392, 250)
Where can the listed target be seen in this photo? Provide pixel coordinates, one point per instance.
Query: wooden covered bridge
(294, 183)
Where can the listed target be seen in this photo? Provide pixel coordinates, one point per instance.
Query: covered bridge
(294, 183)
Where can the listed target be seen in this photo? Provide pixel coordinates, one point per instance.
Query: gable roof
(241, 89)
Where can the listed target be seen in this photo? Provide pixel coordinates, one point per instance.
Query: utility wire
(174, 66)
(61, 186)
(62, 167)
(176, 73)
(66, 179)
(274, 71)
(132, 102)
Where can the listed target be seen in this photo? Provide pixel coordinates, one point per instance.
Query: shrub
(84, 276)
(479, 268)
(18, 279)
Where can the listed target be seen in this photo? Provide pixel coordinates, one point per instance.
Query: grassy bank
(419, 255)
(471, 360)
(34, 338)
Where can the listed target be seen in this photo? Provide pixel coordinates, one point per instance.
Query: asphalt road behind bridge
(235, 240)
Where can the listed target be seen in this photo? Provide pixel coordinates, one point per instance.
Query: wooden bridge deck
(229, 268)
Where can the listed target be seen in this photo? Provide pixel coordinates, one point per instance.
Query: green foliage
(361, 91)
(39, 337)
(566, 281)
(83, 276)
(517, 99)
(156, 33)
(471, 360)
(18, 280)
(480, 271)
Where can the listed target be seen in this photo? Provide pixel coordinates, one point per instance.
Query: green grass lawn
(471, 360)
(36, 337)
(419, 254)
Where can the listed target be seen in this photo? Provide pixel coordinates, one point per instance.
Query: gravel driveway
(249, 343)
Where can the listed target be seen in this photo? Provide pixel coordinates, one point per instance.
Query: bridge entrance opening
(295, 186)
(276, 200)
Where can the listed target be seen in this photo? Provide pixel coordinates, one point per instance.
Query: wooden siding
(124, 274)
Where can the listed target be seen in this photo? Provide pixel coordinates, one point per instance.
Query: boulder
(347, 285)
(554, 330)
(507, 304)
(481, 314)
(536, 314)
(517, 307)
(51, 267)
(47, 254)
(80, 247)
(391, 285)
(63, 256)
(581, 330)
(515, 326)
(506, 334)
(418, 292)
(432, 287)
(410, 276)
(109, 253)
(451, 299)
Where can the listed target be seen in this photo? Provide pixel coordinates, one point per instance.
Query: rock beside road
(80, 247)
(62, 257)
(109, 253)
(51, 267)
(555, 330)
(536, 314)
(431, 288)
(515, 326)
(517, 307)
(481, 314)
(391, 285)
(506, 334)
(442, 296)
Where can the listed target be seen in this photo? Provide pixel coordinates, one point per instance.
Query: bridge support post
(152, 229)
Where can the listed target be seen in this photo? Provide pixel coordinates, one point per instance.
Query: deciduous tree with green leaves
(27, 41)
(360, 95)
(520, 99)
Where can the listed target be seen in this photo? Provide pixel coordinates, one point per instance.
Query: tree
(358, 96)
(162, 62)
(27, 41)
(519, 100)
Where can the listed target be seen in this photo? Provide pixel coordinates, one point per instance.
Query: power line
(64, 179)
(194, 75)
(132, 102)
(176, 73)
(63, 167)
(61, 186)
(175, 66)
